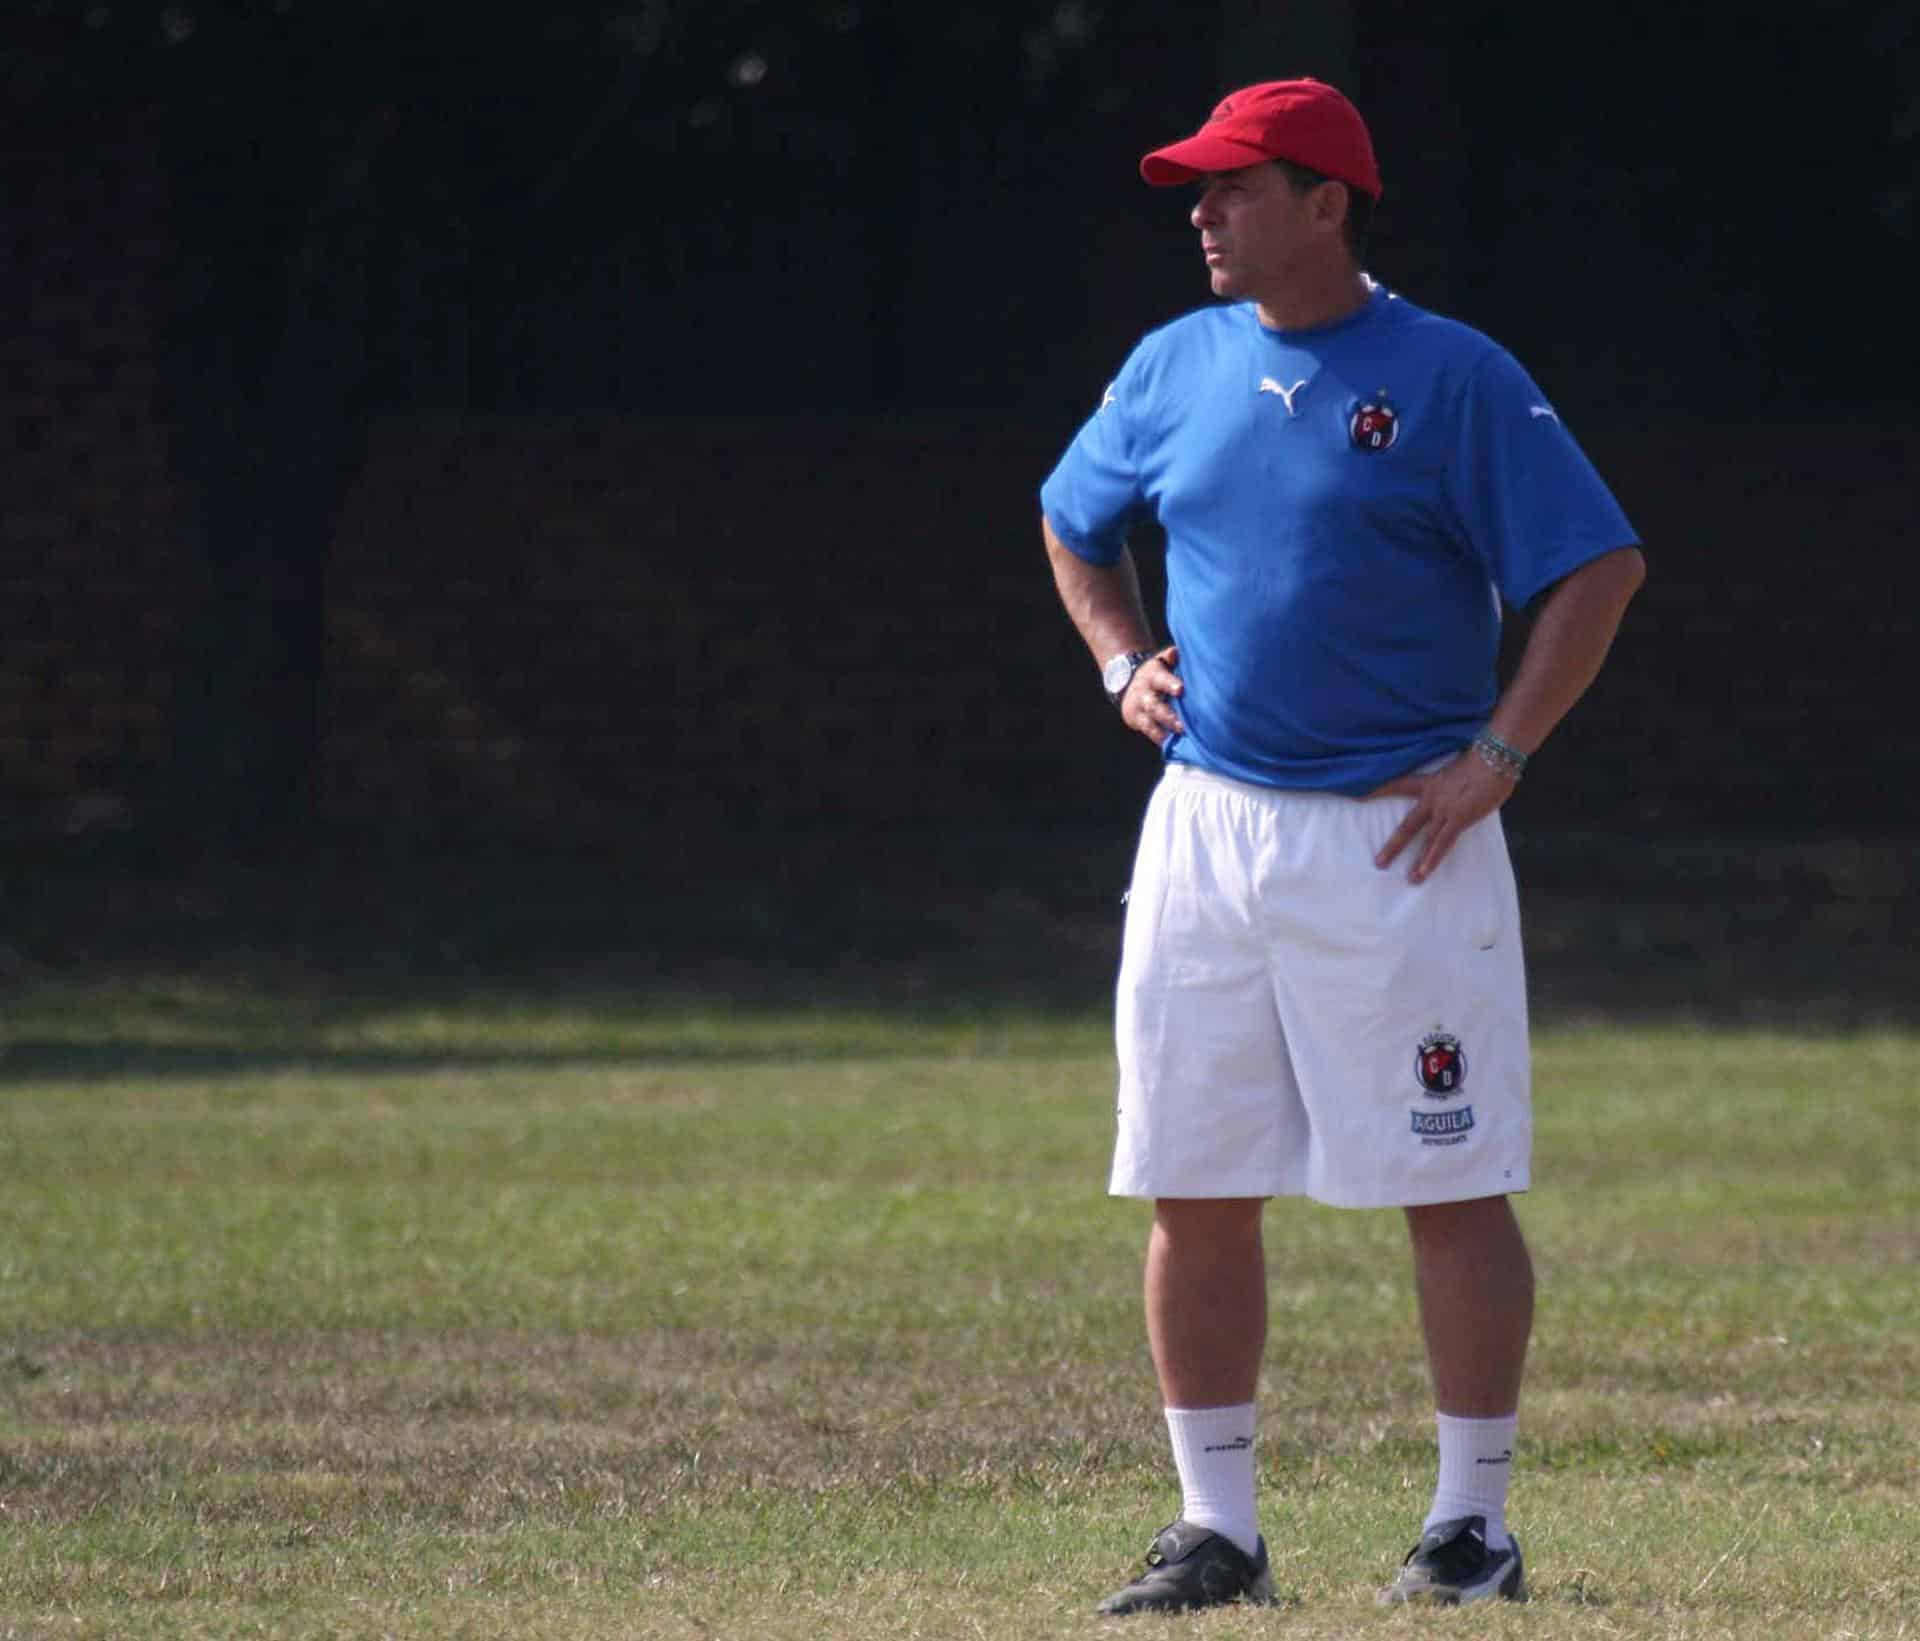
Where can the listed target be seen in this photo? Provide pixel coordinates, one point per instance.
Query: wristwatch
(1118, 673)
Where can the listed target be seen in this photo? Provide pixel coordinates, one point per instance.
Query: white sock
(1476, 1462)
(1213, 1451)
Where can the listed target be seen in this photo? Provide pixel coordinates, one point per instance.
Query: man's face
(1256, 231)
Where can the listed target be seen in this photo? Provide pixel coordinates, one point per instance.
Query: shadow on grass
(832, 946)
(131, 1058)
(780, 1038)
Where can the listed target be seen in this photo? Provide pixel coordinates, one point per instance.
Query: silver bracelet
(1505, 760)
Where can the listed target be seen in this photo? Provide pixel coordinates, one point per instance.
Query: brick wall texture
(581, 630)
(576, 630)
(601, 625)
(91, 526)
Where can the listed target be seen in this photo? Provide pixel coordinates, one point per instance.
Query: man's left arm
(1563, 654)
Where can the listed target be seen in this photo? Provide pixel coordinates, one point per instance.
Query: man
(1322, 990)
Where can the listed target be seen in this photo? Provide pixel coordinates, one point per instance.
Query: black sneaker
(1188, 1567)
(1451, 1566)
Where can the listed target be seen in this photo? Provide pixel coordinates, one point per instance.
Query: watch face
(1116, 673)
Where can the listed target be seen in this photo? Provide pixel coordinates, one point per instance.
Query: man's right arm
(1103, 601)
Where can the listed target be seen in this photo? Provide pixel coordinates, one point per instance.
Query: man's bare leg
(1206, 1291)
(1206, 1300)
(1475, 1284)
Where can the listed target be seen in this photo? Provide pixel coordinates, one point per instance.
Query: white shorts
(1295, 1021)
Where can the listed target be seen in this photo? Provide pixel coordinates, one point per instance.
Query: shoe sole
(1437, 1595)
(1257, 1594)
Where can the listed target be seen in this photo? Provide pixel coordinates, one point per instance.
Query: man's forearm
(1566, 647)
(1102, 601)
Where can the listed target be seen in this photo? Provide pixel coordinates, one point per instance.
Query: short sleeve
(1094, 494)
(1526, 500)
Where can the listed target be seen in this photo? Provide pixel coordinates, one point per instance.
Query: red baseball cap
(1305, 121)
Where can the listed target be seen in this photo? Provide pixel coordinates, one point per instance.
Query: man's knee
(1208, 1220)
(1474, 1220)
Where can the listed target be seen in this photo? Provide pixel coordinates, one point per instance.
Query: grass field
(331, 1315)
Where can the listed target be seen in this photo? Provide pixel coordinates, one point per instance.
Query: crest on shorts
(1441, 1064)
(1373, 424)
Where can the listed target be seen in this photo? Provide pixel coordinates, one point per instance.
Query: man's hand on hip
(1446, 801)
(1148, 704)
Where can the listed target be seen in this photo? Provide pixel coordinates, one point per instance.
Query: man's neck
(1326, 301)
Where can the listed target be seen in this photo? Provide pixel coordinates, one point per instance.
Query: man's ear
(1331, 201)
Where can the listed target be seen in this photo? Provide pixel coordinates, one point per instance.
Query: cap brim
(1199, 156)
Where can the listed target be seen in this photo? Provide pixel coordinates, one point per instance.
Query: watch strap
(1135, 660)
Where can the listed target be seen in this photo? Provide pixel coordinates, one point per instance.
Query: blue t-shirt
(1341, 505)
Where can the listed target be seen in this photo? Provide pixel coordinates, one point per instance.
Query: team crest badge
(1440, 1064)
(1374, 424)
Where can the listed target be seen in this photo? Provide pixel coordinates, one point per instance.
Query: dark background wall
(578, 427)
